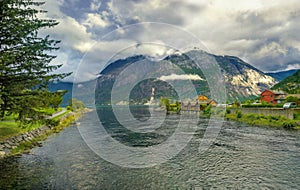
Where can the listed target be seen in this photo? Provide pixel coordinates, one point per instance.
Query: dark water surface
(242, 157)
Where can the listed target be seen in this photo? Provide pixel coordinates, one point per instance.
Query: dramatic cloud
(264, 33)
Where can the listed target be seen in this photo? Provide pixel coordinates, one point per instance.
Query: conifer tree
(25, 54)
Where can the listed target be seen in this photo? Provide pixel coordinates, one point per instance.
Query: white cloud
(180, 77)
(293, 66)
(94, 20)
(73, 34)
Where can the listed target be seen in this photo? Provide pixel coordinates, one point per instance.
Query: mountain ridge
(242, 79)
(280, 75)
(290, 84)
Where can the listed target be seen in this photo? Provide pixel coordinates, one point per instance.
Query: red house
(273, 97)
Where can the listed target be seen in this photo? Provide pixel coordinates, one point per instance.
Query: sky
(264, 33)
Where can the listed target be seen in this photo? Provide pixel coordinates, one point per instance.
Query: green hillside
(290, 85)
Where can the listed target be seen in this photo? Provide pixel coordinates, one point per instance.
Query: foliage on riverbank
(10, 126)
(62, 122)
(56, 124)
(262, 120)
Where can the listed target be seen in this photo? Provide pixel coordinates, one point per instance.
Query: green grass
(26, 146)
(49, 111)
(261, 120)
(9, 127)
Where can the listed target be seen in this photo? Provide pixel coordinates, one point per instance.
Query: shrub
(52, 122)
(239, 114)
(296, 116)
(289, 124)
(207, 110)
(228, 111)
(69, 108)
(76, 105)
(272, 117)
(252, 116)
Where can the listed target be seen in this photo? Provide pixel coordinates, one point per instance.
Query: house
(273, 96)
(205, 101)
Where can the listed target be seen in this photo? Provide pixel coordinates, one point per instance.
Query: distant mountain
(82, 91)
(279, 76)
(290, 84)
(63, 86)
(241, 79)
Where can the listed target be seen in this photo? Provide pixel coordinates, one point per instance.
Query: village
(271, 103)
(267, 99)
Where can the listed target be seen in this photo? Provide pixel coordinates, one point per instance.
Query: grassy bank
(10, 127)
(62, 122)
(262, 120)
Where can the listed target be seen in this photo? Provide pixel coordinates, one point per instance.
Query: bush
(252, 116)
(289, 124)
(239, 114)
(228, 111)
(296, 116)
(69, 108)
(276, 118)
(76, 104)
(207, 110)
(52, 122)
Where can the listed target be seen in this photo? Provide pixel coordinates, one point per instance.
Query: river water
(242, 157)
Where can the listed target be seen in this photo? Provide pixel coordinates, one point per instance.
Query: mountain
(290, 84)
(62, 86)
(80, 91)
(279, 76)
(241, 79)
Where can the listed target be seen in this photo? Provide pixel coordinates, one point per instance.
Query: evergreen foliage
(25, 57)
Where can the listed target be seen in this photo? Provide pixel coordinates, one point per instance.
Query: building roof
(202, 98)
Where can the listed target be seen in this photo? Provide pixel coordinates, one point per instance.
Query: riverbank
(260, 119)
(22, 143)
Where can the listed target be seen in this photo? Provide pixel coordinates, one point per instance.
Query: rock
(9, 142)
(2, 154)
(19, 139)
(7, 146)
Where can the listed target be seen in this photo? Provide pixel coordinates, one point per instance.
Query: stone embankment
(13, 142)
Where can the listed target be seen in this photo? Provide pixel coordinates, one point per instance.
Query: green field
(10, 127)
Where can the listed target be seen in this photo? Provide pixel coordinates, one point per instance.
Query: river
(241, 157)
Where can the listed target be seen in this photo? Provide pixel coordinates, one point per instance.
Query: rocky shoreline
(11, 143)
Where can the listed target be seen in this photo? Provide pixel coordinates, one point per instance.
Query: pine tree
(25, 55)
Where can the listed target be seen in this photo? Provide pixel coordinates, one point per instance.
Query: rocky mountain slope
(241, 79)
